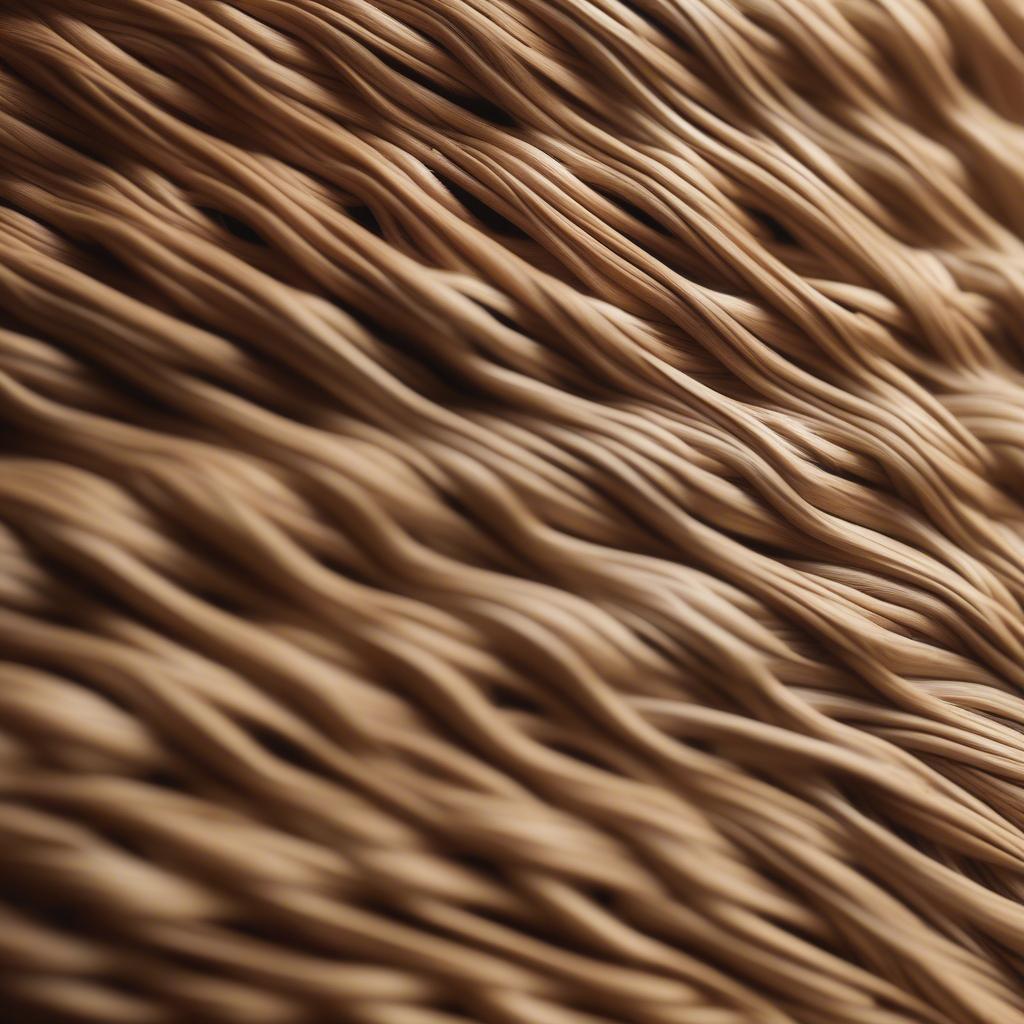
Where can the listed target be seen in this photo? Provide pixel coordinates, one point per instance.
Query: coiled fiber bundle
(512, 511)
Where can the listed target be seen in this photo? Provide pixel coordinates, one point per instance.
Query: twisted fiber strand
(510, 511)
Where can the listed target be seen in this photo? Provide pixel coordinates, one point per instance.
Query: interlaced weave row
(511, 511)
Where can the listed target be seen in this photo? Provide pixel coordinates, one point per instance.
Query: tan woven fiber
(511, 511)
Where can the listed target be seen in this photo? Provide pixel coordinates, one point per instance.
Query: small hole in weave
(582, 756)
(509, 698)
(807, 547)
(544, 925)
(479, 865)
(102, 262)
(161, 778)
(476, 105)
(503, 319)
(273, 935)
(381, 907)
(363, 216)
(284, 748)
(238, 228)
(432, 377)
(482, 108)
(6, 203)
(487, 216)
(656, 23)
(602, 896)
(778, 232)
(634, 211)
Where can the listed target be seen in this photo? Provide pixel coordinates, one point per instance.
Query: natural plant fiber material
(512, 511)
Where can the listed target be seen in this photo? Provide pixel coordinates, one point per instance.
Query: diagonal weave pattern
(511, 511)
